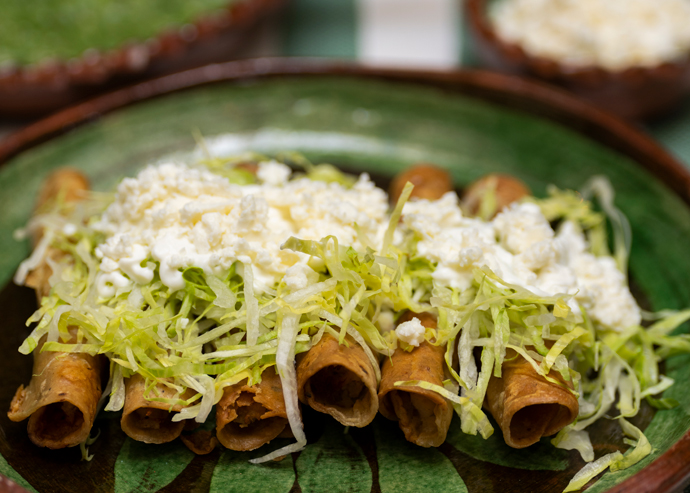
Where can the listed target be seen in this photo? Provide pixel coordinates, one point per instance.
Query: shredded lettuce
(218, 330)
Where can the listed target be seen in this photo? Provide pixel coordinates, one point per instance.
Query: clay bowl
(34, 90)
(637, 92)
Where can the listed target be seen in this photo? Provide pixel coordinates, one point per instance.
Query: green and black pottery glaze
(360, 125)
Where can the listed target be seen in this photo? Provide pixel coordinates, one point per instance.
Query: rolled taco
(66, 186)
(423, 415)
(430, 182)
(248, 417)
(338, 379)
(62, 398)
(526, 405)
(63, 187)
(491, 194)
(147, 420)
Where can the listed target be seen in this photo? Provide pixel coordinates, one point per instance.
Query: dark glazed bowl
(637, 92)
(34, 90)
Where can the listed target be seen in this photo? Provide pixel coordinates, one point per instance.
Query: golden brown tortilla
(526, 405)
(248, 417)
(61, 399)
(423, 415)
(67, 186)
(430, 182)
(150, 421)
(201, 442)
(338, 379)
(506, 189)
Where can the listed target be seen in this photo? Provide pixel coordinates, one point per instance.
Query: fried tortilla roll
(65, 185)
(423, 415)
(150, 421)
(61, 400)
(248, 417)
(493, 193)
(430, 182)
(338, 379)
(526, 405)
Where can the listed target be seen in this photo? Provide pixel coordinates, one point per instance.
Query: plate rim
(669, 472)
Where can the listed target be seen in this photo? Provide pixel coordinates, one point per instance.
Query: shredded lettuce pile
(216, 332)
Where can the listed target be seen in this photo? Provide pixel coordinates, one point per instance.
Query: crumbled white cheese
(182, 216)
(172, 216)
(614, 34)
(452, 241)
(273, 172)
(299, 276)
(411, 332)
(69, 229)
(521, 226)
(520, 247)
(603, 291)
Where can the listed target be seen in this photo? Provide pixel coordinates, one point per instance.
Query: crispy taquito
(424, 416)
(65, 186)
(248, 417)
(148, 420)
(338, 379)
(430, 182)
(491, 194)
(62, 398)
(526, 405)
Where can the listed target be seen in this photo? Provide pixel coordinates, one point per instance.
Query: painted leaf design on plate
(334, 461)
(142, 467)
(541, 456)
(405, 467)
(235, 474)
(8, 471)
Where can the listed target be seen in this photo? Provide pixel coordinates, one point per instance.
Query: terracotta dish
(637, 92)
(34, 90)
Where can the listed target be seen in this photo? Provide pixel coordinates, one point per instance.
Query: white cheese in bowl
(612, 34)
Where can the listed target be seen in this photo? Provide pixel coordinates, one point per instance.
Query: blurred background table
(403, 33)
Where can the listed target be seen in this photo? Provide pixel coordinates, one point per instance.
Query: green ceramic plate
(364, 121)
